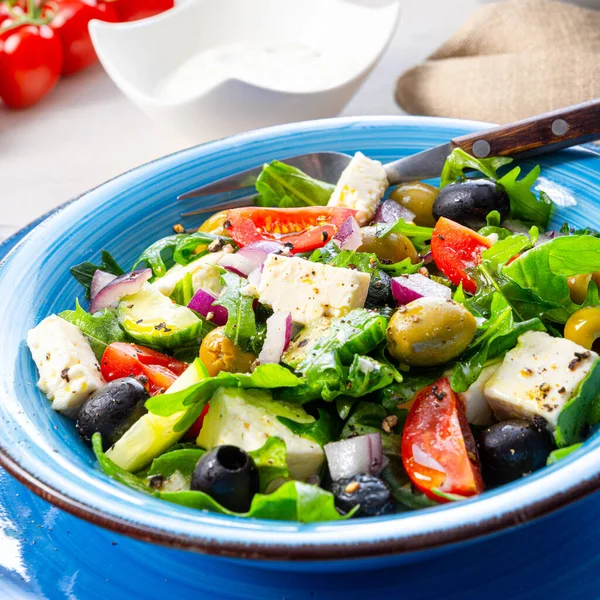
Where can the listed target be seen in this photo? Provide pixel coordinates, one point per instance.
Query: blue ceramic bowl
(125, 215)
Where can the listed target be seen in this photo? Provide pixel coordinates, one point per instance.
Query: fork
(537, 135)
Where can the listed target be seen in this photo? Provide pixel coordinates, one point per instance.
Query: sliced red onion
(100, 280)
(279, 333)
(246, 259)
(427, 257)
(124, 285)
(353, 456)
(407, 288)
(202, 303)
(349, 235)
(425, 460)
(389, 211)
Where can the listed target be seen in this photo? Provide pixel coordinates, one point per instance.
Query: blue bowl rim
(538, 495)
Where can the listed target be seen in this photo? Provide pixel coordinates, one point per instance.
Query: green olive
(219, 353)
(418, 198)
(430, 331)
(394, 246)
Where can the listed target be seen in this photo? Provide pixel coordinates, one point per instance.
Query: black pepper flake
(156, 481)
(302, 343)
(65, 374)
(324, 236)
(142, 379)
(227, 224)
(139, 321)
(437, 393)
(162, 327)
(441, 237)
(48, 356)
(215, 245)
(289, 245)
(562, 390)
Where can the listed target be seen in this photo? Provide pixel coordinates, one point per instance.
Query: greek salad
(337, 351)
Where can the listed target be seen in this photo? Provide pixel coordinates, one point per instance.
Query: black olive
(227, 474)
(371, 493)
(511, 449)
(112, 410)
(469, 202)
(380, 291)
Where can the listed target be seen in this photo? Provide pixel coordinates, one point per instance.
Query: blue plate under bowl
(42, 449)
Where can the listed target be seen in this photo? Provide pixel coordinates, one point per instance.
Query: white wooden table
(86, 131)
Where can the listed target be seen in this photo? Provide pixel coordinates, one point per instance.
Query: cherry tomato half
(156, 370)
(133, 10)
(30, 62)
(71, 23)
(438, 448)
(304, 228)
(455, 248)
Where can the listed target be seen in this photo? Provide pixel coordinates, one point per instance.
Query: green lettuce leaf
(183, 460)
(271, 462)
(100, 329)
(241, 322)
(500, 334)
(581, 411)
(285, 186)
(84, 272)
(458, 160)
(561, 453)
(503, 250)
(536, 282)
(417, 234)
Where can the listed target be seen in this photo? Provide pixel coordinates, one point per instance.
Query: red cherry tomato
(71, 23)
(305, 228)
(156, 370)
(455, 248)
(438, 448)
(30, 63)
(133, 10)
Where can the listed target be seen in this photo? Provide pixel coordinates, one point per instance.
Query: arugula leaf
(500, 334)
(271, 462)
(100, 329)
(183, 460)
(285, 186)
(84, 272)
(367, 418)
(183, 291)
(241, 322)
(343, 405)
(503, 250)
(194, 245)
(580, 411)
(523, 203)
(536, 282)
(565, 228)
(267, 376)
(322, 431)
(293, 501)
(417, 234)
(458, 160)
(401, 393)
(561, 453)
(367, 375)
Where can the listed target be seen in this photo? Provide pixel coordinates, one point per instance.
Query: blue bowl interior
(127, 214)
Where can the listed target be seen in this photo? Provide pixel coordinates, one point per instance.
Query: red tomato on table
(71, 23)
(438, 448)
(305, 228)
(31, 59)
(133, 10)
(130, 360)
(455, 248)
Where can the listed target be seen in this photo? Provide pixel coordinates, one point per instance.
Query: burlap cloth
(513, 59)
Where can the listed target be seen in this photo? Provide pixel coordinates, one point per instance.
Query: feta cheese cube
(69, 371)
(309, 290)
(538, 377)
(361, 186)
(204, 274)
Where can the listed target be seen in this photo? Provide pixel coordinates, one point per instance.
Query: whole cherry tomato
(133, 10)
(30, 63)
(71, 24)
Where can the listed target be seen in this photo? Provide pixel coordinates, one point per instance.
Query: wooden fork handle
(562, 128)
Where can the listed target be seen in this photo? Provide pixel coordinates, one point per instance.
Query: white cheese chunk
(69, 371)
(361, 186)
(538, 377)
(309, 290)
(204, 274)
(477, 409)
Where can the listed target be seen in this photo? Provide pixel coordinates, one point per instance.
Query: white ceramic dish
(142, 56)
